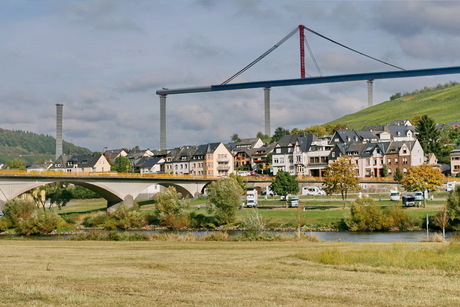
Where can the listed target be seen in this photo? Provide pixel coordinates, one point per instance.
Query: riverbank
(162, 273)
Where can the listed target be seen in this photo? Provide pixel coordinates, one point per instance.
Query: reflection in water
(338, 236)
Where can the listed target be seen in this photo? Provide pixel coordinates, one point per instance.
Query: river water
(331, 236)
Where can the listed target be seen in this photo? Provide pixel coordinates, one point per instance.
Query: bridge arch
(116, 190)
(112, 197)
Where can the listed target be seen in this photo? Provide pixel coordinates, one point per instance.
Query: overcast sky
(104, 60)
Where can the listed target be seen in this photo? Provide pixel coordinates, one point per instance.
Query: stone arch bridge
(116, 190)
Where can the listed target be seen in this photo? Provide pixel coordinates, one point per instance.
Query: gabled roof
(399, 131)
(84, 160)
(147, 162)
(346, 136)
(395, 146)
(369, 148)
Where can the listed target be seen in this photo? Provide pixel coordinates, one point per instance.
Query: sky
(105, 59)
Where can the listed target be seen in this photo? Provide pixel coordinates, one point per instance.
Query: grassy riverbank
(70, 273)
(319, 214)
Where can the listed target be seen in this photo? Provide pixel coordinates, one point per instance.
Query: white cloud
(104, 60)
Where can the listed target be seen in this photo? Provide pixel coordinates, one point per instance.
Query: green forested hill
(441, 103)
(29, 146)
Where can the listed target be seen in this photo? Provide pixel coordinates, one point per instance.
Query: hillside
(29, 146)
(441, 103)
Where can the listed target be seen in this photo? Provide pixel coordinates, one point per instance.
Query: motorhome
(394, 195)
(451, 185)
(251, 198)
(293, 201)
(313, 191)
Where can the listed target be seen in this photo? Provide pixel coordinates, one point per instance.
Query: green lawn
(317, 214)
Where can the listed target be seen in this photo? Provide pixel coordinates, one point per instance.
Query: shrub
(5, 223)
(398, 218)
(126, 218)
(95, 220)
(200, 220)
(39, 222)
(18, 209)
(366, 216)
(254, 224)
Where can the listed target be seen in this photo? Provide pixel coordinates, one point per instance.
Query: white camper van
(313, 191)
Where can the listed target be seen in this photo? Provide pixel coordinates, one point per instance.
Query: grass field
(71, 273)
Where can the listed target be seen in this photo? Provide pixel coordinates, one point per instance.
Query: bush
(4, 223)
(39, 222)
(199, 220)
(171, 209)
(398, 218)
(254, 224)
(18, 209)
(366, 216)
(125, 218)
(95, 220)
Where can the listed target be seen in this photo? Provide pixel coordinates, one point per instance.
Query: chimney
(58, 130)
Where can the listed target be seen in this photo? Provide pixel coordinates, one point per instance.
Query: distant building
(81, 164)
(455, 161)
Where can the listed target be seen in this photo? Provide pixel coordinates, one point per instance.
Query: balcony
(223, 159)
(223, 167)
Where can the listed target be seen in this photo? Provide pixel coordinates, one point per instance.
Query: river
(330, 236)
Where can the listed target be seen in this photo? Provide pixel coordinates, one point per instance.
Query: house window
(389, 161)
(333, 154)
(278, 150)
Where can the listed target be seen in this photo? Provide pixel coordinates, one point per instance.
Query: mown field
(157, 273)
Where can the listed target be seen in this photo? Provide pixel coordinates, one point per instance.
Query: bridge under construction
(303, 80)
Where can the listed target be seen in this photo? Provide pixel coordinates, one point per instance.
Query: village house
(81, 164)
(455, 161)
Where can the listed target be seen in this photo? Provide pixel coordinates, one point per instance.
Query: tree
(441, 219)
(398, 176)
(422, 177)
(14, 164)
(284, 184)
(428, 135)
(171, 208)
(240, 180)
(265, 138)
(279, 133)
(121, 165)
(340, 177)
(55, 193)
(453, 205)
(224, 199)
(317, 130)
(415, 120)
(59, 195)
(235, 138)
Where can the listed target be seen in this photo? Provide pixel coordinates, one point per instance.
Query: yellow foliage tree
(340, 177)
(422, 177)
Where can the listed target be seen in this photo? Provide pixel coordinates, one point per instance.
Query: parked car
(419, 196)
(408, 200)
(243, 173)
